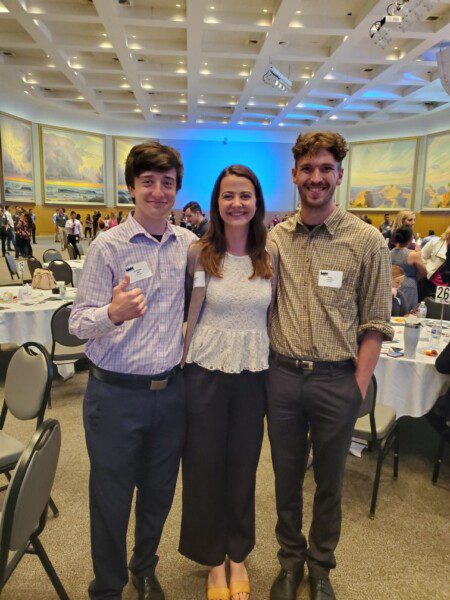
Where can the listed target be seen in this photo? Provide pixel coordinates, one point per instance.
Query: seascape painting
(436, 194)
(16, 160)
(122, 147)
(73, 166)
(382, 175)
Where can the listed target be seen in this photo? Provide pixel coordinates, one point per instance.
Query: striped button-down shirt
(321, 322)
(150, 344)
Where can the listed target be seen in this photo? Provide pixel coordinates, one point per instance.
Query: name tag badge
(138, 271)
(199, 279)
(331, 279)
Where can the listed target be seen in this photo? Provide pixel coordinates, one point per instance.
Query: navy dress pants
(134, 439)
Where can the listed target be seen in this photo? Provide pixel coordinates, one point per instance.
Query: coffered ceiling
(192, 63)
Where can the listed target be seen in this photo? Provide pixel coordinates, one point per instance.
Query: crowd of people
(17, 230)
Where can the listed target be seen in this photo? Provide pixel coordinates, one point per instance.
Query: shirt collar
(331, 223)
(133, 228)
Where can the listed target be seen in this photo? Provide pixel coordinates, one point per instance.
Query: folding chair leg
(396, 451)
(438, 461)
(376, 484)
(49, 569)
(53, 508)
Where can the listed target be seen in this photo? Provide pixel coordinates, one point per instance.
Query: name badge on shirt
(199, 279)
(138, 271)
(331, 279)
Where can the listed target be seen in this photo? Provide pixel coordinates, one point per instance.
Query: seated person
(399, 300)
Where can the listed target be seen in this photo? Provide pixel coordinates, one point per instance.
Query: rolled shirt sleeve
(375, 295)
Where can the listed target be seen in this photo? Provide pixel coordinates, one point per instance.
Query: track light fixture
(403, 13)
(276, 79)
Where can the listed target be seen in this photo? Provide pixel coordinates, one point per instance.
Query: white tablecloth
(410, 386)
(29, 320)
(77, 266)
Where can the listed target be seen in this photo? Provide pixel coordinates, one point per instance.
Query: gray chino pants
(327, 403)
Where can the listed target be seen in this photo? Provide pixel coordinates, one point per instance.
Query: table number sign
(442, 294)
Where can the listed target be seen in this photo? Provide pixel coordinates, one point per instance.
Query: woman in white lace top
(231, 285)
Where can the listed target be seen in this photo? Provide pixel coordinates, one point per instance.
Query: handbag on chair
(43, 279)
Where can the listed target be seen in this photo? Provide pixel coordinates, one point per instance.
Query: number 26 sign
(442, 294)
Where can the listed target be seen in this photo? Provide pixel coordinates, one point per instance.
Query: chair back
(369, 402)
(62, 271)
(71, 252)
(434, 309)
(60, 328)
(33, 264)
(80, 248)
(51, 254)
(28, 382)
(25, 506)
(11, 265)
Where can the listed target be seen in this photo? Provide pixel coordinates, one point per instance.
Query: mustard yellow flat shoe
(218, 593)
(239, 587)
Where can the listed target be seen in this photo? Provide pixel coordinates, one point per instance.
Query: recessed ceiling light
(178, 5)
(212, 7)
(104, 35)
(265, 10)
(80, 97)
(240, 122)
(298, 12)
(181, 62)
(280, 124)
(333, 117)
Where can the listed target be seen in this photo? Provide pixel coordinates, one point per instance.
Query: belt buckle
(304, 365)
(158, 384)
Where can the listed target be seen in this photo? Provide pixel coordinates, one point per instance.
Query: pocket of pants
(358, 393)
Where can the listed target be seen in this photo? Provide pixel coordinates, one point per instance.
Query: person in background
(331, 315)
(95, 218)
(55, 214)
(73, 231)
(113, 220)
(434, 254)
(404, 217)
(194, 216)
(410, 261)
(120, 217)
(386, 226)
(231, 287)
(399, 300)
(430, 237)
(130, 306)
(88, 226)
(275, 221)
(61, 224)
(172, 218)
(33, 227)
(23, 236)
(3, 226)
(183, 221)
(106, 221)
(9, 230)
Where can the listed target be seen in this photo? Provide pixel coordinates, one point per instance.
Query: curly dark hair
(310, 143)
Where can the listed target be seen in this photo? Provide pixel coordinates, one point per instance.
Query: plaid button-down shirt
(325, 323)
(150, 344)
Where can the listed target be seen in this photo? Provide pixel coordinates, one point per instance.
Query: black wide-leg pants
(325, 402)
(225, 431)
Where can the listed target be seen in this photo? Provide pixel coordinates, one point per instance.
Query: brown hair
(397, 271)
(152, 156)
(310, 143)
(214, 244)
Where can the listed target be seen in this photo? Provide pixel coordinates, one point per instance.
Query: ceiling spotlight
(379, 34)
(276, 79)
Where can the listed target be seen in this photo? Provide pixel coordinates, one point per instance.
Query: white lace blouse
(231, 335)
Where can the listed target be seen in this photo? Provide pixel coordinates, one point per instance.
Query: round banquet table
(28, 320)
(411, 386)
(76, 266)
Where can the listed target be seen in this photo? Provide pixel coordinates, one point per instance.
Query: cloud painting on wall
(381, 174)
(436, 193)
(122, 147)
(16, 160)
(73, 166)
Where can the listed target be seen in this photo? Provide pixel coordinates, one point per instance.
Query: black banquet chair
(380, 429)
(11, 266)
(51, 254)
(27, 392)
(62, 271)
(434, 309)
(33, 264)
(71, 252)
(25, 506)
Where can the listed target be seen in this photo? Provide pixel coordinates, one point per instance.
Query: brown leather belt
(300, 364)
(138, 382)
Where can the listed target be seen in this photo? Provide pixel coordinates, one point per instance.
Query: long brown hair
(214, 244)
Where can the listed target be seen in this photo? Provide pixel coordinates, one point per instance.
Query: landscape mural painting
(122, 147)
(436, 193)
(73, 166)
(17, 160)
(382, 175)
